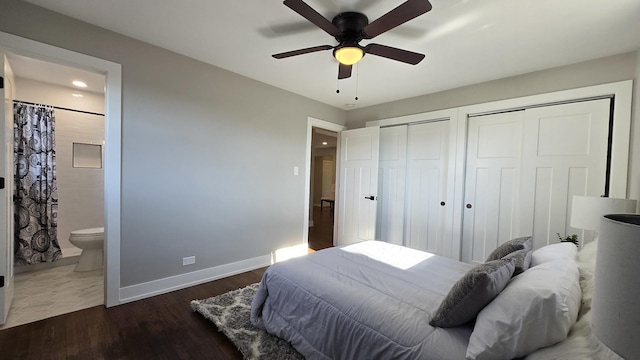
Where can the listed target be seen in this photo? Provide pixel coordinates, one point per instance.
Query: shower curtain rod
(57, 107)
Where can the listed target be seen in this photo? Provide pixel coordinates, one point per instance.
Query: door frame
(113, 139)
(325, 125)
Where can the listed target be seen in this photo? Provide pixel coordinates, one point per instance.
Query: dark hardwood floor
(161, 327)
(321, 234)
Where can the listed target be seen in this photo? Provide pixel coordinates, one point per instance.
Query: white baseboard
(172, 283)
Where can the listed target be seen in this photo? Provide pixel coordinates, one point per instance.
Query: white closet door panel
(543, 208)
(494, 146)
(491, 216)
(506, 206)
(359, 181)
(391, 184)
(565, 154)
(427, 162)
(425, 227)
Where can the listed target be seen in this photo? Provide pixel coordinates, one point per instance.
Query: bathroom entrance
(62, 108)
(77, 111)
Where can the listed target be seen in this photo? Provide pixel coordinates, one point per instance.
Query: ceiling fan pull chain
(357, 79)
(337, 86)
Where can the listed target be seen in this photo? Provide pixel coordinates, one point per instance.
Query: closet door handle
(442, 203)
(469, 206)
(370, 197)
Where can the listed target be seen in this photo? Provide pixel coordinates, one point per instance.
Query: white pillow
(563, 250)
(535, 310)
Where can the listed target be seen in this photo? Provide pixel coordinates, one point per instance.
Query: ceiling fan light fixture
(348, 55)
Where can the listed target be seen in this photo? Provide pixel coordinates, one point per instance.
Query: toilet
(91, 241)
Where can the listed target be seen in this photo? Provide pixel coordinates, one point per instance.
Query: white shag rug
(230, 312)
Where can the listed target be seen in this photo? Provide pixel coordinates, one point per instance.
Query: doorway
(321, 174)
(76, 119)
(323, 188)
(111, 72)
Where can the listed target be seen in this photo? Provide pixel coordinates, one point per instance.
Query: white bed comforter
(370, 300)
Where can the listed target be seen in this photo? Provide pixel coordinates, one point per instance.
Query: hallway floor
(321, 234)
(59, 290)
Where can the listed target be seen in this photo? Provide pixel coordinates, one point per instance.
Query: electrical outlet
(188, 260)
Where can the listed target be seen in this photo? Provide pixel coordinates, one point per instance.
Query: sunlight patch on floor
(290, 252)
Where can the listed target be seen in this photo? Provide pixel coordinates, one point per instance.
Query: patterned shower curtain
(36, 192)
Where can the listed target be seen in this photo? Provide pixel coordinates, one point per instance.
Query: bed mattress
(370, 300)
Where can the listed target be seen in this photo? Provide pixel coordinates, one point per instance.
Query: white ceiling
(465, 41)
(55, 74)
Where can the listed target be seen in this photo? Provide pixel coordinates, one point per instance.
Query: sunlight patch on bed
(400, 257)
(289, 252)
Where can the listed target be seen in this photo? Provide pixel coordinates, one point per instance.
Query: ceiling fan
(349, 28)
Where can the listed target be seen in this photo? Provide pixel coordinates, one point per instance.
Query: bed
(374, 300)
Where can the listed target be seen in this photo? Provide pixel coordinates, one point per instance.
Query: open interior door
(358, 185)
(6, 188)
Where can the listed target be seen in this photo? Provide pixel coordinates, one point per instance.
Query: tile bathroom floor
(46, 293)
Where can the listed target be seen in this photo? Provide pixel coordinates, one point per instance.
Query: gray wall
(198, 149)
(594, 72)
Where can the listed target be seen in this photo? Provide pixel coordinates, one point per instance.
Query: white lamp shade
(586, 211)
(616, 296)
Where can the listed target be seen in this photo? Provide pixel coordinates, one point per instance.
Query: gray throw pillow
(510, 246)
(522, 260)
(473, 292)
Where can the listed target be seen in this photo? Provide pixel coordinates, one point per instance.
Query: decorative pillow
(472, 292)
(563, 250)
(535, 310)
(510, 246)
(522, 260)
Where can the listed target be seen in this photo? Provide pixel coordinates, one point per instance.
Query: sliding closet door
(391, 184)
(564, 154)
(523, 169)
(427, 170)
(494, 146)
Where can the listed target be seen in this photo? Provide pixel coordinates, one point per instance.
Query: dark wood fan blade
(389, 52)
(302, 51)
(308, 13)
(404, 12)
(344, 71)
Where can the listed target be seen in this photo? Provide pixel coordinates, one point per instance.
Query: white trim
(322, 124)
(177, 282)
(420, 117)
(113, 139)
